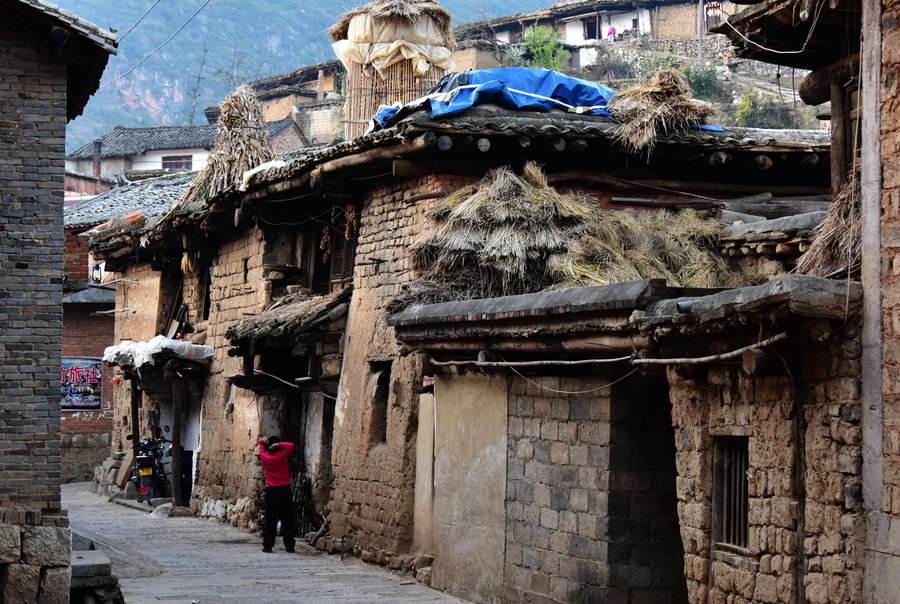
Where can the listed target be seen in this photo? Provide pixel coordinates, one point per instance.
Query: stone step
(90, 563)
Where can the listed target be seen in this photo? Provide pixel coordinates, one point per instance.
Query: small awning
(137, 355)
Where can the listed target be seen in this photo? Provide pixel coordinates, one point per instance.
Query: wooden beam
(815, 88)
(135, 417)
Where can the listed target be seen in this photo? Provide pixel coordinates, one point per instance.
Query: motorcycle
(148, 471)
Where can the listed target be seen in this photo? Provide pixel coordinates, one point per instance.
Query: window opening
(380, 382)
(178, 162)
(730, 490)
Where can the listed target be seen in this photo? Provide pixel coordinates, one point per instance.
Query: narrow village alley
(185, 560)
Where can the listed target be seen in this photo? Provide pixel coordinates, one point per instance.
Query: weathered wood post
(179, 400)
(135, 415)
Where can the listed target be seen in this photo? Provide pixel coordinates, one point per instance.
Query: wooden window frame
(178, 162)
(730, 493)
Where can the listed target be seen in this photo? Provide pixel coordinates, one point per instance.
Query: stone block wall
(34, 540)
(590, 493)
(229, 477)
(806, 526)
(373, 490)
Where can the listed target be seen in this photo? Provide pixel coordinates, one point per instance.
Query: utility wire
(157, 49)
(138, 22)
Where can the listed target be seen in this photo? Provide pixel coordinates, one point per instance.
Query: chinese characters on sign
(80, 382)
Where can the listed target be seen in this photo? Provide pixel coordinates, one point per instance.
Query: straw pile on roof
(625, 246)
(837, 242)
(406, 10)
(514, 234)
(652, 109)
(242, 143)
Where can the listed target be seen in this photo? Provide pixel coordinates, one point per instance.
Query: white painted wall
(503, 36)
(573, 32)
(152, 160)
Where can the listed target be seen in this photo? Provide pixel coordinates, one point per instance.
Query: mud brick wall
(890, 252)
(884, 528)
(34, 540)
(373, 488)
(590, 497)
(812, 536)
(86, 435)
(138, 301)
(228, 472)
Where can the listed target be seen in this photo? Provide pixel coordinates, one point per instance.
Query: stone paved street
(181, 560)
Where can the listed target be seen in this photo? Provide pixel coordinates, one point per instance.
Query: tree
(543, 48)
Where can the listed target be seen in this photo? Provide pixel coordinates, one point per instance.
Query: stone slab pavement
(186, 560)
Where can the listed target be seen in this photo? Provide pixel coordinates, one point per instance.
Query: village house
(585, 26)
(505, 442)
(849, 49)
(50, 63)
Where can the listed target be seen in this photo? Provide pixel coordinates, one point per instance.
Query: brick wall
(34, 540)
(86, 435)
(32, 147)
(590, 498)
(823, 552)
(373, 489)
(77, 254)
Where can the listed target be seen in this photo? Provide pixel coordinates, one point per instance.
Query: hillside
(229, 41)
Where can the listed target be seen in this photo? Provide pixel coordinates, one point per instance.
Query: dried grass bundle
(624, 246)
(407, 10)
(242, 143)
(654, 108)
(514, 234)
(837, 242)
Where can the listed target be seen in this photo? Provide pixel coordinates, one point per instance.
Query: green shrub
(543, 48)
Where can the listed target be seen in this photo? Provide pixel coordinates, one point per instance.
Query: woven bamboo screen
(367, 91)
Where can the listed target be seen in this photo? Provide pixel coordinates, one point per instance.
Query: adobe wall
(374, 484)
(815, 541)
(34, 538)
(86, 435)
(884, 479)
(590, 506)
(228, 478)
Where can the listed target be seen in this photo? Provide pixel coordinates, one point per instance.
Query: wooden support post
(838, 138)
(135, 416)
(179, 403)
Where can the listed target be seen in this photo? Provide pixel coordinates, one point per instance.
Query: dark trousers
(279, 506)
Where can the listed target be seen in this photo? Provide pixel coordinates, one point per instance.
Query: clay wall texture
(374, 483)
(815, 541)
(34, 540)
(228, 472)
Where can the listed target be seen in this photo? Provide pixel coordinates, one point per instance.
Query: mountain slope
(228, 42)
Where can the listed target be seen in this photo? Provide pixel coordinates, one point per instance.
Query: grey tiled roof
(103, 38)
(123, 142)
(154, 196)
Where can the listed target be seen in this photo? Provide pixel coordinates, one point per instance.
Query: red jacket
(275, 464)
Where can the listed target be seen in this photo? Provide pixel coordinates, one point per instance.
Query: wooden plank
(125, 470)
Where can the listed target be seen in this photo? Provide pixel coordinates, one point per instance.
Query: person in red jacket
(274, 454)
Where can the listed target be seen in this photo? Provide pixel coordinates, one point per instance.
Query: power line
(138, 22)
(157, 49)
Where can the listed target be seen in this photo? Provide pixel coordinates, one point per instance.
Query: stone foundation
(34, 558)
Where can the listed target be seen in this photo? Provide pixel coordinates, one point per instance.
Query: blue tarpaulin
(516, 88)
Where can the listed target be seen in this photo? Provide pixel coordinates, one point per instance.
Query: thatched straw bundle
(406, 10)
(654, 108)
(837, 242)
(625, 246)
(512, 234)
(242, 143)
